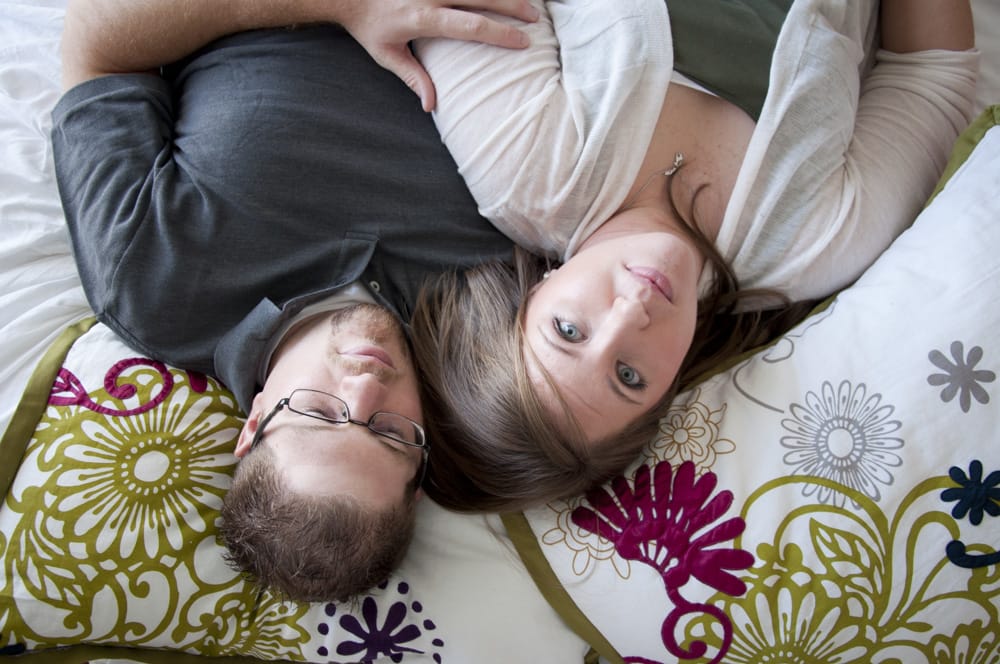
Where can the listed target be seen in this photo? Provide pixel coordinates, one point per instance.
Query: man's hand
(385, 28)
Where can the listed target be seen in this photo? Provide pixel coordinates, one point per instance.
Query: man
(265, 211)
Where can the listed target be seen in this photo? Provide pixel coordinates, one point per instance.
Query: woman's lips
(655, 278)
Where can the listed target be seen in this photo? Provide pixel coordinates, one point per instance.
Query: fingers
(520, 9)
(426, 92)
(470, 26)
(386, 34)
(403, 64)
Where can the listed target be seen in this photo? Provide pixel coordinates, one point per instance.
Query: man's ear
(249, 429)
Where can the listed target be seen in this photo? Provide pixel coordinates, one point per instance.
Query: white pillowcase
(892, 392)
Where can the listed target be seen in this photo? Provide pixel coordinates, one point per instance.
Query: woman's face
(611, 327)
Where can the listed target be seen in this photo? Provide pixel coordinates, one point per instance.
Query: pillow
(831, 498)
(108, 540)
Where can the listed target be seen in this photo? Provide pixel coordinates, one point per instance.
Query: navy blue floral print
(974, 496)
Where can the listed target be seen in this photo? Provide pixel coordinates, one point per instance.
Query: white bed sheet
(40, 292)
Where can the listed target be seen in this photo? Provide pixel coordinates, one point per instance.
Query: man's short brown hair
(309, 548)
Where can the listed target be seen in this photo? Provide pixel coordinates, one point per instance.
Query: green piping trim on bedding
(34, 400)
(528, 548)
(966, 143)
(81, 654)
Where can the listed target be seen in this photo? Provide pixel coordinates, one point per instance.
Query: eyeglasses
(399, 430)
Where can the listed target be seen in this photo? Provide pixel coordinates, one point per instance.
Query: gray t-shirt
(261, 174)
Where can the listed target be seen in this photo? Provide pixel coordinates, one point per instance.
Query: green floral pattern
(114, 507)
(863, 586)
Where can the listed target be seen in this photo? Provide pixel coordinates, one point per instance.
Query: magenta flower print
(665, 520)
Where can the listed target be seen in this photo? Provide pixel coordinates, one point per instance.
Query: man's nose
(364, 394)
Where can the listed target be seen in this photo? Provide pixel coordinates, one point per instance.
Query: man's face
(360, 355)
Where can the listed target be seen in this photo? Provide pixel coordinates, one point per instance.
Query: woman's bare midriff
(713, 135)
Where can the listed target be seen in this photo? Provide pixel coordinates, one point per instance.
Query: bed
(832, 497)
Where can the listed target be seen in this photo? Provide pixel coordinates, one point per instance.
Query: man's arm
(116, 36)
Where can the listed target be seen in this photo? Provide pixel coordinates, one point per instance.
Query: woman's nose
(629, 312)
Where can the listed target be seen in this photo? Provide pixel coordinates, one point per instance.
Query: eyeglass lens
(326, 406)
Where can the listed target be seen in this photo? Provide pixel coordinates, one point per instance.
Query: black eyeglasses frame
(285, 402)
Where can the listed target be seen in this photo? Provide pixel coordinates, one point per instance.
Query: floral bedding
(830, 498)
(108, 538)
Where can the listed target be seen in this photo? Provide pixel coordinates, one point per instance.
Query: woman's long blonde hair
(495, 446)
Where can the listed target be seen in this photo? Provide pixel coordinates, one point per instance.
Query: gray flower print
(843, 434)
(960, 375)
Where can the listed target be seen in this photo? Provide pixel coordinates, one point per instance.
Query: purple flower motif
(664, 521)
(376, 640)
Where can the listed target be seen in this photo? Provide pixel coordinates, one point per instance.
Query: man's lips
(370, 353)
(655, 278)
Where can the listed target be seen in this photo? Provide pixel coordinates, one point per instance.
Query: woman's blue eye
(567, 330)
(630, 377)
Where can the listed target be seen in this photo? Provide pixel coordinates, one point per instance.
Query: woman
(670, 208)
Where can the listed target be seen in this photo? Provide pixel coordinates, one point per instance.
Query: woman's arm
(914, 102)
(923, 25)
(912, 105)
(117, 36)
